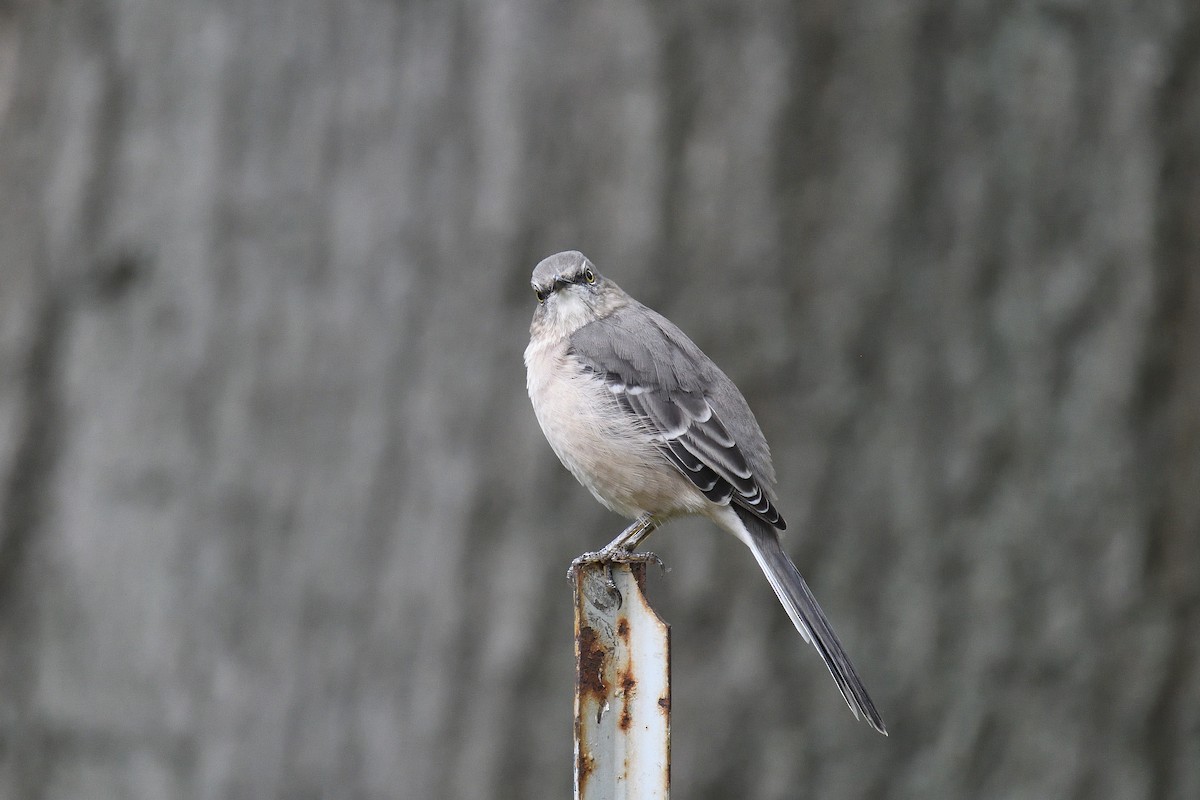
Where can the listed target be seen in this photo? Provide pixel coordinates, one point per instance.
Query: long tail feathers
(807, 616)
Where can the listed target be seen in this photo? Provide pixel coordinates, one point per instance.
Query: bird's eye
(589, 276)
(541, 295)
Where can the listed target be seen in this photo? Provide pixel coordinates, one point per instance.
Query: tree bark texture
(276, 519)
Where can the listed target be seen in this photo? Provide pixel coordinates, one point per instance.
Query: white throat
(569, 312)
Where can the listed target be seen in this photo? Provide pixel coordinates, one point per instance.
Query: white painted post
(622, 684)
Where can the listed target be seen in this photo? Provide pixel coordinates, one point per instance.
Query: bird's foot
(621, 550)
(613, 555)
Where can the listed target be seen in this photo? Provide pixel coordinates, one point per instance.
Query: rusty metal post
(622, 685)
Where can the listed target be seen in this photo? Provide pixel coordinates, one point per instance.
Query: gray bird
(653, 429)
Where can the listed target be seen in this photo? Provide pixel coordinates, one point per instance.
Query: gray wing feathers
(699, 418)
(808, 618)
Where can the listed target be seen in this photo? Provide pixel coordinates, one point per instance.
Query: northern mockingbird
(651, 426)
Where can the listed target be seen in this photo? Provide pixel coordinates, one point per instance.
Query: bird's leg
(628, 539)
(621, 549)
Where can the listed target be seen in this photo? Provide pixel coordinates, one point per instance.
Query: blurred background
(277, 521)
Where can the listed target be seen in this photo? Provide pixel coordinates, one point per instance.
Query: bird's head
(571, 293)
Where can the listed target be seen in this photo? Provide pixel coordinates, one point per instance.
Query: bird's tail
(807, 616)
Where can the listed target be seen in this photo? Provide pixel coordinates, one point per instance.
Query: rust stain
(628, 682)
(628, 687)
(639, 576)
(590, 689)
(623, 628)
(665, 704)
(590, 679)
(584, 766)
(626, 720)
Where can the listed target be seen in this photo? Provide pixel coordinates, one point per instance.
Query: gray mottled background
(276, 520)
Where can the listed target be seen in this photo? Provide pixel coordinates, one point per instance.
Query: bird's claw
(613, 555)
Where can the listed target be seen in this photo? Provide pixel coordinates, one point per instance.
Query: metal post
(622, 685)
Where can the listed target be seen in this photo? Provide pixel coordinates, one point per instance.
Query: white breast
(600, 444)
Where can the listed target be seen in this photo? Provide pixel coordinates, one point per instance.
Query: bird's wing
(659, 376)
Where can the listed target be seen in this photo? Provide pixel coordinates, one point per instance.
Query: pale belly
(603, 447)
